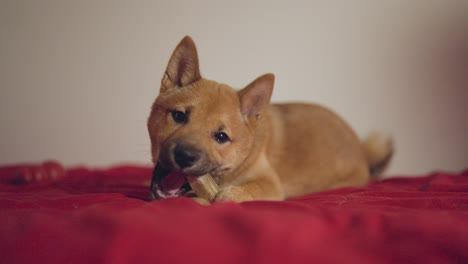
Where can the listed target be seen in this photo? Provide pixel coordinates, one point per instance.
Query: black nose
(186, 156)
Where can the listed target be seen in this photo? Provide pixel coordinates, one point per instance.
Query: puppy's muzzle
(186, 156)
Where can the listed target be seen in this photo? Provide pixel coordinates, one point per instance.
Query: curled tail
(378, 149)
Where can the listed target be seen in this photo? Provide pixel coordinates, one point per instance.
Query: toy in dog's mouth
(167, 184)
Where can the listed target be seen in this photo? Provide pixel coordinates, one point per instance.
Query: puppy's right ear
(182, 68)
(254, 98)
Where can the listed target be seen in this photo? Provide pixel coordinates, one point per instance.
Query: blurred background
(77, 78)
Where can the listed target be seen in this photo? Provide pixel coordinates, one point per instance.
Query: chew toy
(204, 186)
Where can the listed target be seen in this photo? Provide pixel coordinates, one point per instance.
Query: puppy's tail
(379, 150)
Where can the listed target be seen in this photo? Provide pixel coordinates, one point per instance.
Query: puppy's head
(198, 126)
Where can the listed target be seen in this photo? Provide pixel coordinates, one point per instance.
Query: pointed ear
(256, 96)
(182, 68)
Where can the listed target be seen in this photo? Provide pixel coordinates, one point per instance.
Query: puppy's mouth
(167, 183)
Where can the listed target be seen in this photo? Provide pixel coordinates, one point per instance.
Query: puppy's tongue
(173, 181)
(166, 183)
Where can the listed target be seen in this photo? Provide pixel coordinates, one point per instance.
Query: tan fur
(275, 151)
(379, 150)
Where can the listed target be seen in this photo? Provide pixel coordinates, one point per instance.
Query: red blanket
(93, 216)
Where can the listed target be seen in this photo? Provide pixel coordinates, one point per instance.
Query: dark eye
(179, 117)
(221, 137)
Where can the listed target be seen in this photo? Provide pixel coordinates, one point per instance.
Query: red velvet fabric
(86, 215)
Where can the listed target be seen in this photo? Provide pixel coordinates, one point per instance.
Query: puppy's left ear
(182, 68)
(254, 98)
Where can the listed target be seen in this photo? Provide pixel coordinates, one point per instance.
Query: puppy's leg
(201, 201)
(265, 188)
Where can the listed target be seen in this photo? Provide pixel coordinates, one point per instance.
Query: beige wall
(77, 78)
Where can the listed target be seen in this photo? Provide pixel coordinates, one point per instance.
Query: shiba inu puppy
(254, 150)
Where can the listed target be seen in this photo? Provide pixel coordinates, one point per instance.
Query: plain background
(77, 78)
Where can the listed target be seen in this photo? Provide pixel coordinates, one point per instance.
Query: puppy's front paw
(233, 193)
(201, 201)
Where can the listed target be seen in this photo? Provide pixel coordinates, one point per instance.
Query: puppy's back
(312, 149)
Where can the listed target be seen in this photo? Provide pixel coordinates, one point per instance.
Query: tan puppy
(253, 150)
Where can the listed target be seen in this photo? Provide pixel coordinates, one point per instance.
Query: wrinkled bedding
(49, 214)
